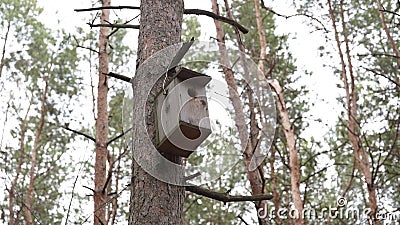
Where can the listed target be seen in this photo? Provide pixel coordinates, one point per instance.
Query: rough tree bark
(255, 177)
(360, 154)
(153, 201)
(32, 171)
(100, 173)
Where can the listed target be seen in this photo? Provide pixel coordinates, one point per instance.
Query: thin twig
(89, 188)
(114, 25)
(90, 49)
(290, 16)
(388, 11)
(106, 7)
(80, 133)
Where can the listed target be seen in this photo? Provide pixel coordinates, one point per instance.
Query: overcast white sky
(304, 46)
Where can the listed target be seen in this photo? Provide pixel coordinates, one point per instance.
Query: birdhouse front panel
(182, 113)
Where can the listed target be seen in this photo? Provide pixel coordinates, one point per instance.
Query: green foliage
(375, 68)
(39, 54)
(190, 28)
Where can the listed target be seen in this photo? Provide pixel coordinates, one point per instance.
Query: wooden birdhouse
(182, 113)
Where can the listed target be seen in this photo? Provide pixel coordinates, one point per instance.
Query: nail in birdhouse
(182, 113)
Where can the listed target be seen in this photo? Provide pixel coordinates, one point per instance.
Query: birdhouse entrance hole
(182, 113)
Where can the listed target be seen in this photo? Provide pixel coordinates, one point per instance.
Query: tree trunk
(19, 166)
(286, 126)
(390, 40)
(360, 154)
(100, 192)
(255, 177)
(153, 201)
(33, 160)
(261, 34)
(293, 153)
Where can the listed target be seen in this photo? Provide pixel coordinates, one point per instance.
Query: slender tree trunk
(261, 34)
(153, 201)
(100, 168)
(286, 125)
(390, 40)
(4, 48)
(275, 193)
(387, 32)
(33, 160)
(19, 166)
(360, 155)
(293, 152)
(256, 176)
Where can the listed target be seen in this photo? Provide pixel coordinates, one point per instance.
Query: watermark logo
(342, 210)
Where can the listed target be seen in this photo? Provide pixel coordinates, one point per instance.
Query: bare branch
(115, 25)
(224, 197)
(186, 11)
(119, 136)
(106, 7)
(90, 49)
(217, 17)
(89, 188)
(4, 48)
(241, 219)
(120, 77)
(383, 75)
(290, 16)
(388, 11)
(80, 133)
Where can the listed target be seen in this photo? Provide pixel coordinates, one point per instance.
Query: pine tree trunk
(33, 160)
(287, 129)
(293, 153)
(19, 166)
(255, 177)
(153, 201)
(100, 193)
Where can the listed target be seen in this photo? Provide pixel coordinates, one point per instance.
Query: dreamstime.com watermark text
(340, 211)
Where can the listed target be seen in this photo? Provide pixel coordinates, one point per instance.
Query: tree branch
(216, 17)
(80, 133)
(186, 11)
(224, 197)
(106, 7)
(114, 25)
(388, 11)
(119, 136)
(290, 16)
(120, 77)
(90, 49)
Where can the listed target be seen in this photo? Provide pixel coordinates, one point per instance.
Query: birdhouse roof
(184, 73)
